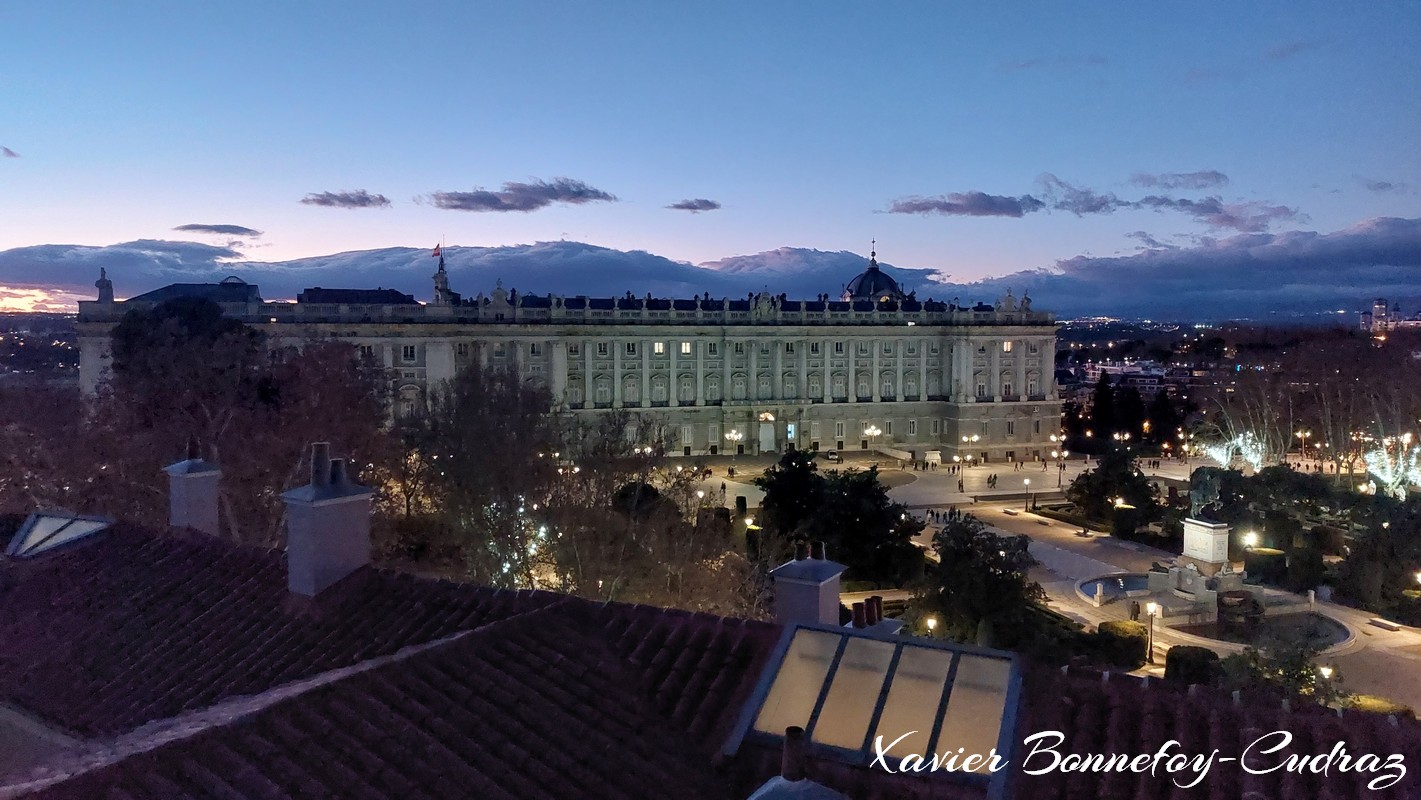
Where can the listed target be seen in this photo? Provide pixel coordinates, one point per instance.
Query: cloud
(1149, 241)
(522, 196)
(1077, 200)
(8, 153)
(694, 206)
(1288, 50)
(356, 199)
(1204, 179)
(226, 230)
(1380, 186)
(968, 204)
(1246, 275)
(1063, 62)
(1246, 217)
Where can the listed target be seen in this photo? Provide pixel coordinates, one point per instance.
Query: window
(887, 386)
(888, 348)
(838, 430)
(937, 427)
(407, 353)
(535, 349)
(712, 348)
(814, 429)
(737, 386)
(814, 348)
(912, 427)
(864, 391)
(42, 532)
(912, 348)
(1011, 427)
(1006, 347)
(687, 392)
(863, 348)
(1007, 389)
(631, 348)
(740, 348)
(764, 348)
(367, 351)
(461, 349)
(789, 348)
(816, 386)
(602, 348)
(888, 428)
(981, 390)
(1033, 348)
(688, 435)
(1036, 426)
(933, 348)
(500, 350)
(685, 348)
(658, 348)
(764, 387)
(838, 348)
(574, 349)
(1031, 388)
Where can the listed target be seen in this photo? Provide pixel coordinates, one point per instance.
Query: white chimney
(807, 588)
(192, 492)
(327, 526)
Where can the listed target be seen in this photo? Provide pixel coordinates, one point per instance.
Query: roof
(231, 290)
(371, 297)
(873, 284)
(191, 671)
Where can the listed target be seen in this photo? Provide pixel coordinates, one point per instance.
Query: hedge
(1265, 565)
(1122, 643)
(1189, 664)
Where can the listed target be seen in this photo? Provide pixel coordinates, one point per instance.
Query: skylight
(922, 697)
(46, 531)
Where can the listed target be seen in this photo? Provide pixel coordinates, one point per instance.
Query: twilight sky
(973, 142)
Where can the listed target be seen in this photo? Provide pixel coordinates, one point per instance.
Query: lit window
(1006, 347)
(658, 348)
(685, 348)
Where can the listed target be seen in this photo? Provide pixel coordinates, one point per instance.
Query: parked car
(833, 455)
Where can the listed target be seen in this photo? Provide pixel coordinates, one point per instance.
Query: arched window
(840, 386)
(886, 383)
(816, 385)
(658, 389)
(713, 391)
(791, 387)
(737, 387)
(604, 390)
(910, 386)
(764, 386)
(864, 387)
(631, 390)
(410, 398)
(686, 393)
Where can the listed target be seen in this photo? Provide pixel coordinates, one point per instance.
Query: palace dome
(873, 284)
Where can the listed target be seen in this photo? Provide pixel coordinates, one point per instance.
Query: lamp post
(970, 440)
(932, 624)
(1303, 437)
(1250, 540)
(734, 436)
(1152, 611)
(872, 433)
(1027, 483)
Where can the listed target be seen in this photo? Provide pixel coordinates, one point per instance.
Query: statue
(1007, 303)
(1025, 302)
(105, 286)
(1203, 492)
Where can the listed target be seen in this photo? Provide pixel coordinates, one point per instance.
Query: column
(828, 371)
(616, 373)
(752, 382)
(1021, 350)
(646, 373)
(589, 386)
(673, 377)
(853, 392)
(701, 373)
(803, 348)
(559, 376)
(726, 359)
(438, 365)
(994, 380)
(899, 354)
(924, 348)
(873, 380)
(777, 388)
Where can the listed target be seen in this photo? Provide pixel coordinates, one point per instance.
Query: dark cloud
(1246, 217)
(225, 230)
(356, 199)
(968, 204)
(522, 196)
(1204, 179)
(1288, 50)
(1382, 186)
(1063, 196)
(696, 205)
(8, 153)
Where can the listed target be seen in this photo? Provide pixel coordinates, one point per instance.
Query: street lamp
(932, 624)
(1027, 483)
(1250, 540)
(1152, 611)
(734, 436)
(872, 432)
(1303, 436)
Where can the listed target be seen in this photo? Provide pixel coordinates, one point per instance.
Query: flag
(435, 254)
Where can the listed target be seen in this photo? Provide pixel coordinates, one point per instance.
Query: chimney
(327, 526)
(807, 589)
(874, 610)
(860, 615)
(192, 492)
(793, 782)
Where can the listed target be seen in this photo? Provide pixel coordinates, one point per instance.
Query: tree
(794, 491)
(864, 530)
(1283, 664)
(980, 584)
(1115, 477)
(1102, 409)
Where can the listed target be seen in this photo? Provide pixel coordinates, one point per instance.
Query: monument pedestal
(1206, 545)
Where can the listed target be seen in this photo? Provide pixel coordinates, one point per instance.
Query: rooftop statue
(1204, 493)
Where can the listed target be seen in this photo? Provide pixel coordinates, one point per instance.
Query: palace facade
(872, 368)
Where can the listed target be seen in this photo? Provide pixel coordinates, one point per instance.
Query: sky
(975, 142)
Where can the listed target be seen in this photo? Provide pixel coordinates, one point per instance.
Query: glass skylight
(847, 689)
(42, 532)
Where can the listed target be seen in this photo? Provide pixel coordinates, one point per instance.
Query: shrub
(1265, 565)
(1122, 643)
(1189, 664)
(1306, 569)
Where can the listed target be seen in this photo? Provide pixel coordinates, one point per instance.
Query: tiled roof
(508, 695)
(614, 702)
(134, 626)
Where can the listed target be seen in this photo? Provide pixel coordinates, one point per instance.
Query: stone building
(745, 375)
